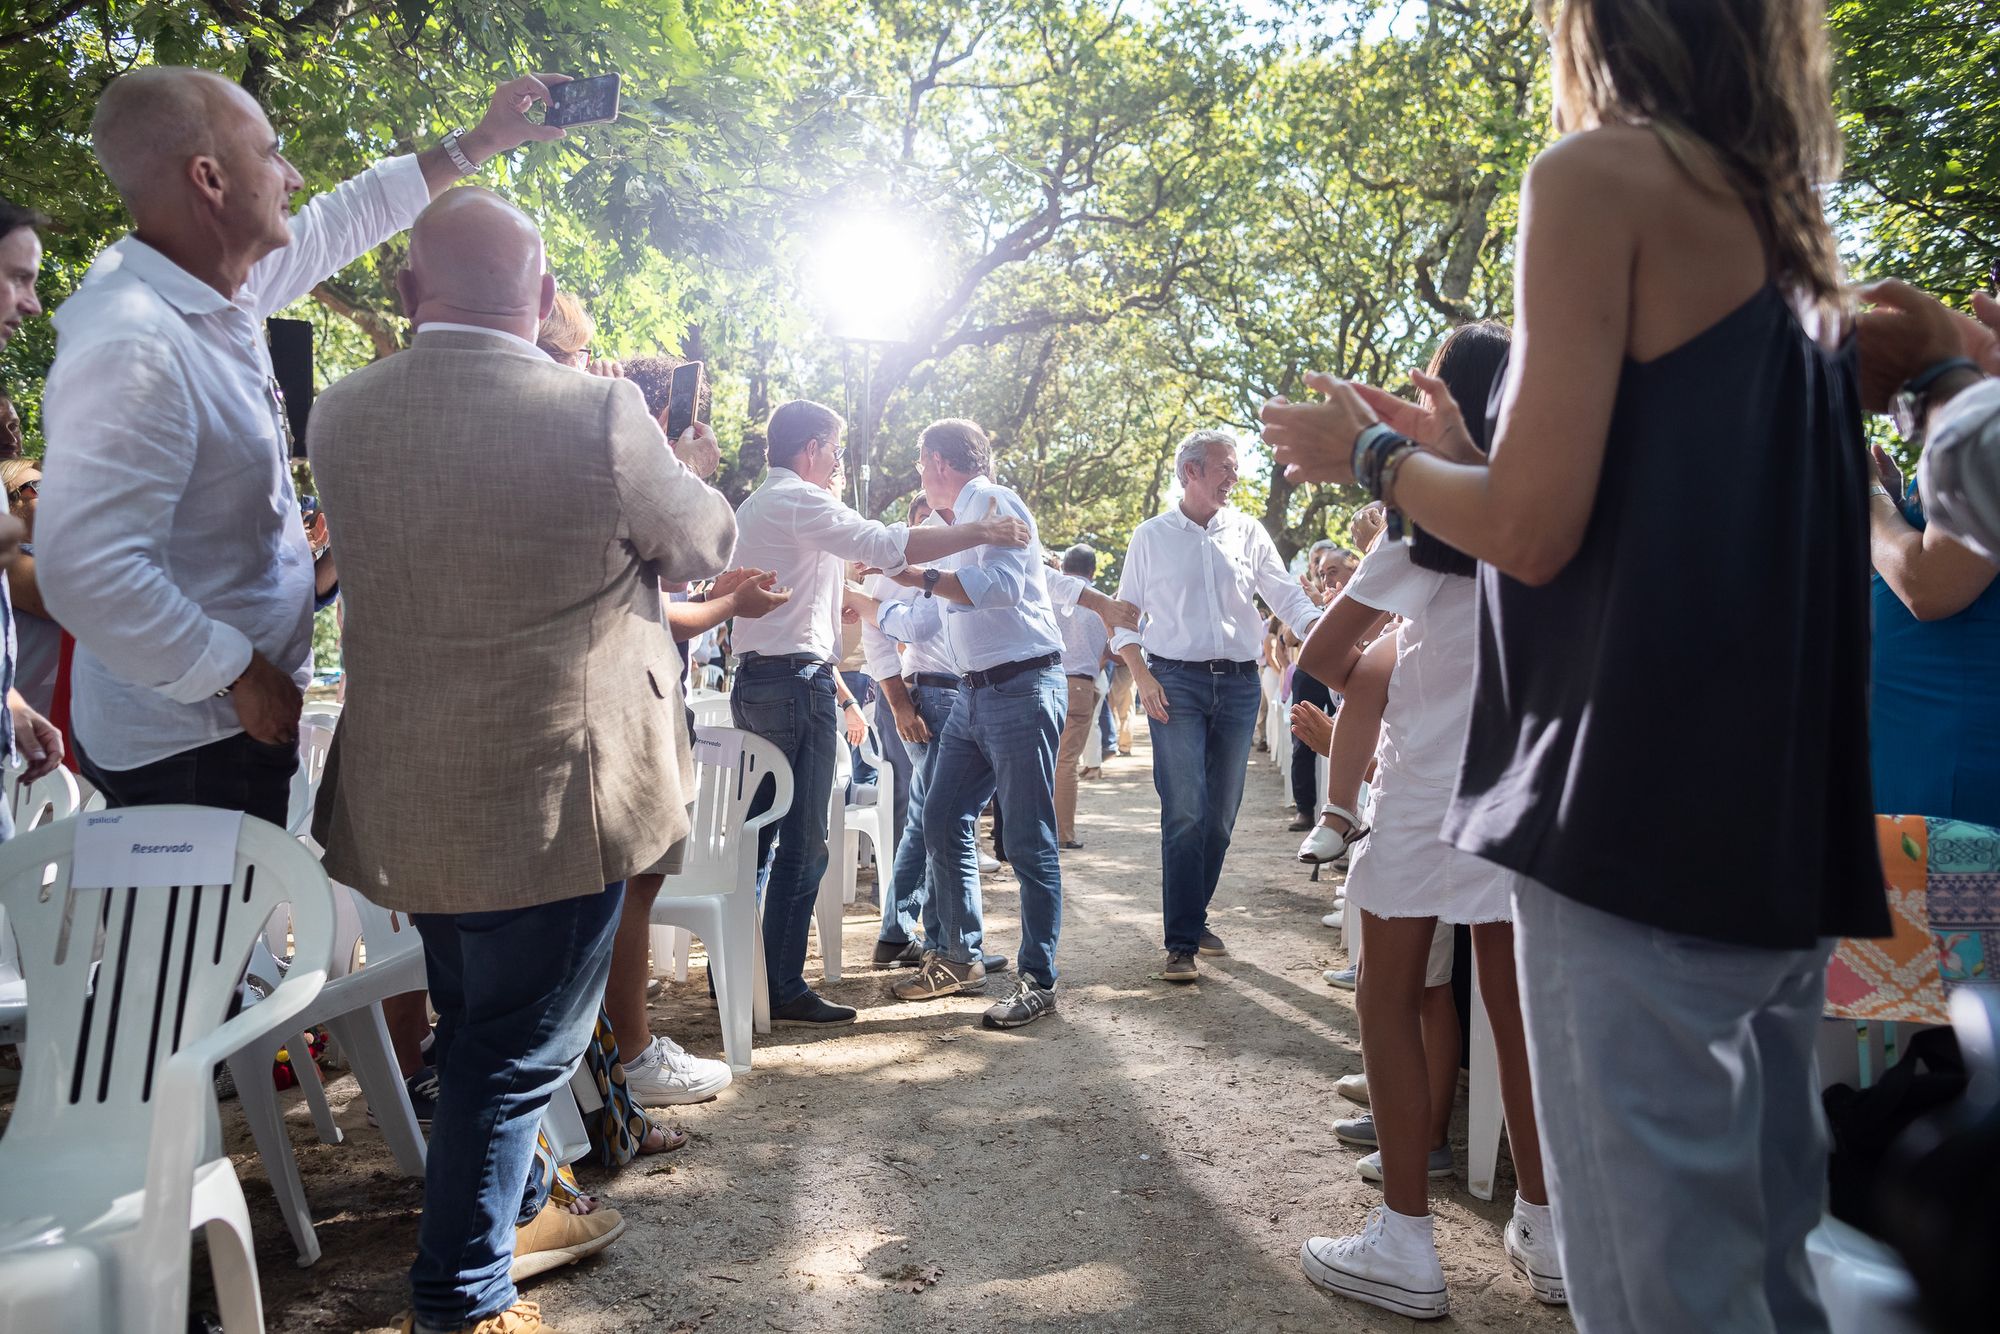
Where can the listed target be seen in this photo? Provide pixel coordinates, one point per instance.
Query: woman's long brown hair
(1737, 87)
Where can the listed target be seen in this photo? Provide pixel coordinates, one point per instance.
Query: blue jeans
(792, 707)
(1200, 755)
(516, 994)
(913, 898)
(1000, 741)
(1107, 730)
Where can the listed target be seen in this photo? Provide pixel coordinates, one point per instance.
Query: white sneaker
(988, 863)
(1344, 978)
(1532, 1250)
(1354, 1088)
(1337, 918)
(663, 1075)
(1393, 1264)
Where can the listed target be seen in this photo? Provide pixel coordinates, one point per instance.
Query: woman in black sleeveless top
(1669, 742)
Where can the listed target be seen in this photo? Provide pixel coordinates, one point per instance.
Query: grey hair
(1194, 449)
(1325, 544)
(150, 121)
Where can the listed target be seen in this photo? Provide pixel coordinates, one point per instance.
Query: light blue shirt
(1012, 616)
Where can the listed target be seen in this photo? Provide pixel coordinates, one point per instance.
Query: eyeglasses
(25, 489)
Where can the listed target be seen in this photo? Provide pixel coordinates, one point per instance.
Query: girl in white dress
(1405, 880)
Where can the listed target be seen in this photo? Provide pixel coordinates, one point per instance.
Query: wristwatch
(931, 578)
(1911, 405)
(457, 154)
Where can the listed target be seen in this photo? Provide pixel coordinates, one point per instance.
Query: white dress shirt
(808, 536)
(1084, 640)
(1012, 616)
(930, 654)
(168, 537)
(1196, 586)
(1958, 473)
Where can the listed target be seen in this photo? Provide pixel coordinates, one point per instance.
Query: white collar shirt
(1084, 640)
(928, 653)
(1196, 586)
(804, 533)
(169, 540)
(518, 343)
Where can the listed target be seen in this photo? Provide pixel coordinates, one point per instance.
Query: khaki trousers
(1082, 721)
(1121, 706)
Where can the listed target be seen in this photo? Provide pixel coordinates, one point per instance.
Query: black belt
(1213, 666)
(935, 680)
(1082, 676)
(1007, 671)
(793, 660)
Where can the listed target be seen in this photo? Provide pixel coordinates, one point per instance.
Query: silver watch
(457, 154)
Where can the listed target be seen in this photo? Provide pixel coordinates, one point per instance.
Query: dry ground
(1149, 1158)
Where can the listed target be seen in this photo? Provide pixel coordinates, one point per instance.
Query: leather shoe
(908, 954)
(558, 1237)
(520, 1318)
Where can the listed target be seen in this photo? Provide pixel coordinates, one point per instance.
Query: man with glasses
(795, 524)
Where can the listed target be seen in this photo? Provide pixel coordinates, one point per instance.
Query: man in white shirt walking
(1001, 737)
(795, 524)
(1195, 570)
(170, 540)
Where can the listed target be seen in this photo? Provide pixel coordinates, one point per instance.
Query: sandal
(646, 1125)
(1327, 844)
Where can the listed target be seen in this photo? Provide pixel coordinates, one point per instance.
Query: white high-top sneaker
(664, 1075)
(1392, 1264)
(1531, 1247)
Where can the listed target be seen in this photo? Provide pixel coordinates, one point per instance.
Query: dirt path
(1150, 1158)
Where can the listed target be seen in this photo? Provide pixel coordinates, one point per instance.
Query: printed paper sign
(718, 746)
(141, 847)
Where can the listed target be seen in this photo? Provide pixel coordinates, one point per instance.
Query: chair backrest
(711, 708)
(315, 740)
(385, 932)
(730, 766)
(54, 796)
(138, 1029)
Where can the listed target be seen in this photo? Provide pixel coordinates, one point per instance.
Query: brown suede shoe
(520, 1318)
(558, 1237)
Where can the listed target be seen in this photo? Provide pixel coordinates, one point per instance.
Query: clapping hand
(1436, 423)
(755, 591)
(1908, 331)
(1311, 725)
(1315, 441)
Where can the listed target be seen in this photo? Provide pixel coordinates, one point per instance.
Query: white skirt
(1404, 869)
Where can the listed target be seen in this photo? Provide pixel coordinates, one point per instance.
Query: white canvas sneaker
(1531, 1248)
(1392, 1264)
(1354, 1088)
(663, 1075)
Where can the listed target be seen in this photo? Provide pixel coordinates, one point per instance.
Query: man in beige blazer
(509, 751)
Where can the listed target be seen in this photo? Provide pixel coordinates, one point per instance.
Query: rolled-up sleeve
(672, 518)
(122, 437)
(1959, 473)
(1282, 593)
(338, 227)
(912, 620)
(1001, 575)
(1131, 587)
(877, 647)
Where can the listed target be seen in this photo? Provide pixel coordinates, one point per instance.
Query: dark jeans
(236, 773)
(792, 707)
(1107, 730)
(1000, 742)
(1306, 689)
(1200, 756)
(913, 900)
(516, 994)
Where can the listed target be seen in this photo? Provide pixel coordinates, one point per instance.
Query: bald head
(475, 258)
(151, 122)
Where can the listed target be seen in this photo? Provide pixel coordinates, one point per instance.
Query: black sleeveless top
(1675, 728)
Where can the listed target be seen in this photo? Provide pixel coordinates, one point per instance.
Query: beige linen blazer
(512, 729)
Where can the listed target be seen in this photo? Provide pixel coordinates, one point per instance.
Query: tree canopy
(1138, 219)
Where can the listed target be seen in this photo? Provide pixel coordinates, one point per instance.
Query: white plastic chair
(54, 796)
(114, 1150)
(711, 708)
(315, 741)
(830, 906)
(1483, 1113)
(874, 821)
(351, 1008)
(714, 894)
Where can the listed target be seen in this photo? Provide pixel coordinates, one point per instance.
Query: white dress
(1403, 868)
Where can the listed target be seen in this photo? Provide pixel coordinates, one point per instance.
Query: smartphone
(684, 398)
(592, 101)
